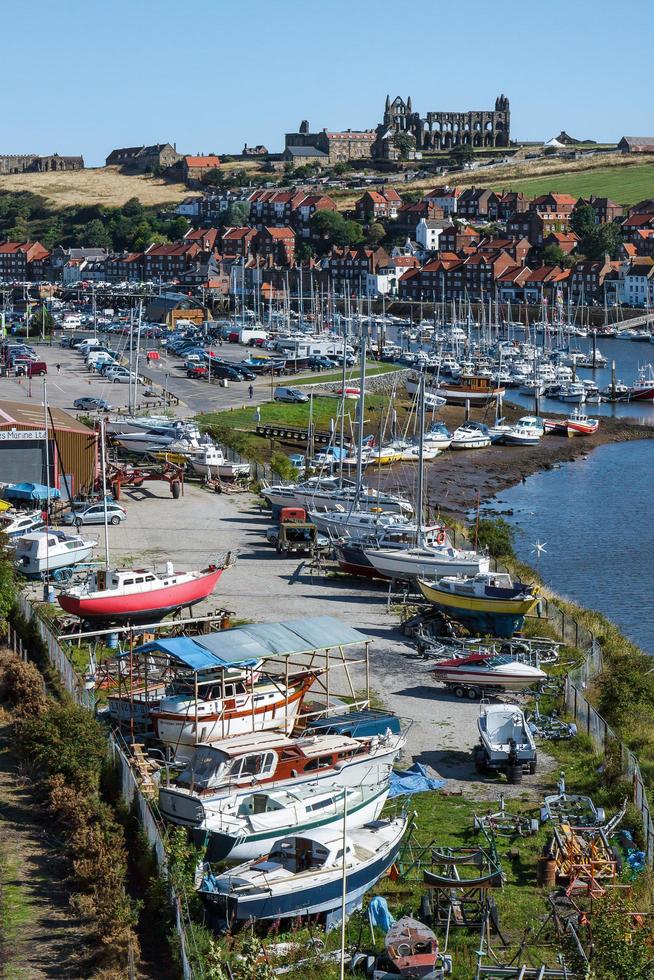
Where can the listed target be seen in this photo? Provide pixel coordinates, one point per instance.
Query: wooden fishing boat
(476, 389)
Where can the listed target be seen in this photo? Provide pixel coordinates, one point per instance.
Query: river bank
(455, 479)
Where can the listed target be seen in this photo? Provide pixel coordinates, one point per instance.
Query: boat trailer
(124, 475)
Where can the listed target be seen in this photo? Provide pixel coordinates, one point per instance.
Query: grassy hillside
(104, 185)
(626, 185)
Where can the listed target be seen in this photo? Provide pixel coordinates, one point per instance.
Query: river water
(594, 518)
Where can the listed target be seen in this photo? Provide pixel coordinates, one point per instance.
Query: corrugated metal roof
(32, 415)
(256, 641)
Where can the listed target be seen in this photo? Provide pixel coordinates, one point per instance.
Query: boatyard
(382, 679)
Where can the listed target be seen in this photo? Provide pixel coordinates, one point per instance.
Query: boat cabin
(212, 768)
(297, 854)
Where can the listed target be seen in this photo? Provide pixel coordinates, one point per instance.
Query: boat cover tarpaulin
(414, 780)
(379, 914)
(256, 641)
(30, 491)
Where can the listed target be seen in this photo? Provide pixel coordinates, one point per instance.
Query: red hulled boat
(131, 594)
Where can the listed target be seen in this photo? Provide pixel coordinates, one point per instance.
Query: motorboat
(426, 562)
(304, 874)
(471, 435)
(437, 436)
(411, 454)
(498, 430)
(642, 390)
(211, 461)
(338, 751)
(412, 948)
(138, 593)
(155, 442)
(15, 524)
(505, 741)
(44, 552)
(527, 431)
(162, 425)
(490, 601)
(580, 425)
(484, 671)
(256, 821)
(574, 392)
(222, 707)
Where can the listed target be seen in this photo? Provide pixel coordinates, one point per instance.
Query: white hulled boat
(211, 461)
(47, 551)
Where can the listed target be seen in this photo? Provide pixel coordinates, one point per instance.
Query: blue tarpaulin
(30, 491)
(414, 780)
(379, 915)
(256, 641)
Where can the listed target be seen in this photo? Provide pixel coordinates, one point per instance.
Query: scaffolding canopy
(245, 645)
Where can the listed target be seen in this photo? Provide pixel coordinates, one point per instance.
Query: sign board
(7, 435)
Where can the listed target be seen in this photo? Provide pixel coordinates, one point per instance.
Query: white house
(428, 232)
(189, 208)
(636, 283)
(445, 197)
(381, 283)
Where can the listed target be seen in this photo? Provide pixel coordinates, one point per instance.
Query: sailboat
(423, 560)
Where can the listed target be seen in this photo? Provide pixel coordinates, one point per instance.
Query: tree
(411, 197)
(304, 251)
(583, 220)
(554, 255)
(238, 213)
(462, 154)
(213, 178)
(41, 321)
(376, 232)
(133, 208)
(177, 228)
(95, 235)
(339, 168)
(353, 233)
(405, 143)
(7, 582)
(602, 240)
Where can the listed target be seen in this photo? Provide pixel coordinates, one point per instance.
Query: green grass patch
(626, 185)
(15, 909)
(352, 375)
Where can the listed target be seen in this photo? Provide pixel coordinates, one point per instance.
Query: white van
(72, 321)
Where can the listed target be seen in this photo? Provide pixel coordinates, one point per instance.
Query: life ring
(440, 537)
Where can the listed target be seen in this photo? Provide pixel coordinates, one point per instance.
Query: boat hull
(320, 893)
(33, 568)
(232, 847)
(395, 564)
(497, 616)
(471, 677)
(139, 605)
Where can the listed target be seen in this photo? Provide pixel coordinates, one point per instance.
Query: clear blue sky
(89, 75)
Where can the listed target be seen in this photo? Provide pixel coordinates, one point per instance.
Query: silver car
(94, 514)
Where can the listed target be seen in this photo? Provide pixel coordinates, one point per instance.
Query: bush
(65, 740)
(22, 690)
(282, 467)
(496, 536)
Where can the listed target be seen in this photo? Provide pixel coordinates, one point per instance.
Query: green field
(351, 376)
(626, 185)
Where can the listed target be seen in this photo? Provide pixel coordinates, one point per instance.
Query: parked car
(292, 395)
(321, 362)
(94, 514)
(124, 377)
(89, 404)
(222, 370)
(244, 371)
(197, 371)
(31, 368)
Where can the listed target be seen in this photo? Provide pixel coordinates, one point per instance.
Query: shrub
(66, 740)
(496, 536)
(21, 688)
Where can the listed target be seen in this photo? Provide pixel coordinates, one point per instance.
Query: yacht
(527, 431)
(211, 461)
(46, 551)
(471, 435)
(426, 562)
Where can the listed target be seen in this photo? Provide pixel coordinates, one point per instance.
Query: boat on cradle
(471, 388)
(528, 431)
(256, 821)
(486, 671)
(350, 551)
(471, 435)
(138, 593)
(154, 424)
(48, 551)
(211, 461)
(642, 390)
(303, 874)
(154, 442)
(355, 523)
(327, 494)
(337, 751)
(498, 430)
(223, 707)
(426, 562)
(15, 524)
(579, 424)
(412, 948)
(505, 741)
(489, 602)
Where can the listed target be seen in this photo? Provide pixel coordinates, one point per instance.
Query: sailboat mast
(103, 465)
(362, 381)
(47, 483)
(421, 457)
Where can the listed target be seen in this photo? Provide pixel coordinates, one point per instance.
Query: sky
(85, 76)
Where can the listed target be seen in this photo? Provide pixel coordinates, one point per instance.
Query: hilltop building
(327, 147)
(442, 130)
(28, 163)
(145, 159)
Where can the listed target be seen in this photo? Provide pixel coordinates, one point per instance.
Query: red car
(198, 371)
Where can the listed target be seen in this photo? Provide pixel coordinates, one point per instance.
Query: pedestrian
(251, 391)
(58, 368)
